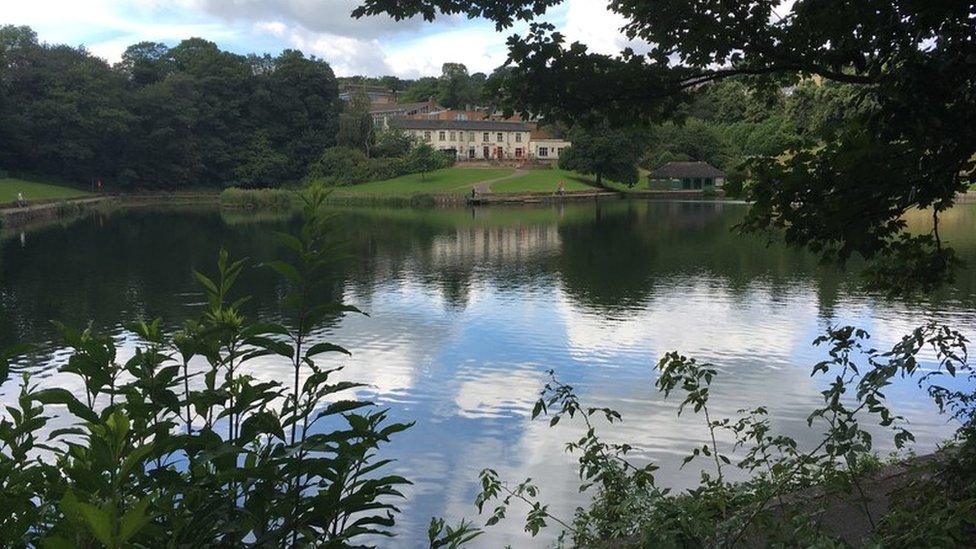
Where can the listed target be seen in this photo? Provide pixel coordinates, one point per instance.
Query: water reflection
(470, 307)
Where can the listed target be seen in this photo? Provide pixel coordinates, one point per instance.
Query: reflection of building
(687, 176)
(496, 243)
(468, 139)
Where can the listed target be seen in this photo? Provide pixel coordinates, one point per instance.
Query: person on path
(561, 189)
(20, 200)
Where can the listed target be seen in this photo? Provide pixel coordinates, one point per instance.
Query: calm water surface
(470, 308)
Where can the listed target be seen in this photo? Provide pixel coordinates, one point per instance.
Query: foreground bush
(180, 447)
(629, 509)
(267, 199)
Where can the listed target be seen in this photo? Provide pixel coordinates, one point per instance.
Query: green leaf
(65, 397)
(343, 406)
(134, 520)
(98, 521)
(286, 270)
(205, 282)
(261, 423)
(319, 348)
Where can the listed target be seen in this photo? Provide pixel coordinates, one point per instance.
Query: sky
(370, 46)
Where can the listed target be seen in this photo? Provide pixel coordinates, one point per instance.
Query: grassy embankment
(415, 188)
(545, 181)
(445, 181)
(33, 190)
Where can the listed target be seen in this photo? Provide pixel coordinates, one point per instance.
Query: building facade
(483, 139)
(471, 139)
(547, 148)
(687, 176)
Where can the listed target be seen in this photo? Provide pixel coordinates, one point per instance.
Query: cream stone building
(471, 139)
(547, 148)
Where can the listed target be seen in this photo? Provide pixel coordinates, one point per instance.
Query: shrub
(268, 199)
(180, 447)
(341, 166)
(630, 510)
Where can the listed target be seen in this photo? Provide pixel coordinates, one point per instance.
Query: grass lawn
(32, 190)
(446, 181)
(547, 181)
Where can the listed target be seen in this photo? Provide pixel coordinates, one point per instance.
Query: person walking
(20, 200)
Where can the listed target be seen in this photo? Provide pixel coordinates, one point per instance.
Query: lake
(470, 308)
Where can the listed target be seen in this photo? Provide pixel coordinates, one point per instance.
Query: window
(426, 136)
(543, 151)
(558, 151)
(485, 137)
(518, 152)
(518, 138)
(471, 137)
(442, 136)
(453, 136)
(500, 137)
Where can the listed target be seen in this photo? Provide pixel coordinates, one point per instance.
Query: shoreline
(12, 216)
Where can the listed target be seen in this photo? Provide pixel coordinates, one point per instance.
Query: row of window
(499, 152)
(485, 137)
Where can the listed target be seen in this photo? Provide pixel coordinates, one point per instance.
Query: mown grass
(540, 181)
(33, 190)
(445, 181)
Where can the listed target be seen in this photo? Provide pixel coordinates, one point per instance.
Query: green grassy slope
(33, 190)
(537, 181)
(445, 181)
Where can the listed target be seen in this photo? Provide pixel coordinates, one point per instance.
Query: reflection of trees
(609, 257)
(612, 260)
(127, 265)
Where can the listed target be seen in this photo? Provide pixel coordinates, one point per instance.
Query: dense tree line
(455, 88)
(726, 123)
(162, 117)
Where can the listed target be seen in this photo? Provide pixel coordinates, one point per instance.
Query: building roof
(473, 125)
(379, 108)
(681, 170)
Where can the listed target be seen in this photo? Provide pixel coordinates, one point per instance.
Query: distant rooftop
(473, 125)
(379, 108)
(682, 170)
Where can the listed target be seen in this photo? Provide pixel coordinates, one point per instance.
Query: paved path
(484, 187)
(47, 204)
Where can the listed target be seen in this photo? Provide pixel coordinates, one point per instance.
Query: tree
(423, 158)
(161, 117)
(393, 143)
(910, 61)
(605, 153)
(297, 103)
(456, 88)
(146, 63)
(262, 165)
(356, 128)
(423, 89)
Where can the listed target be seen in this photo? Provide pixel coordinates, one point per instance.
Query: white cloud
(593, 24)
(372, 45)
